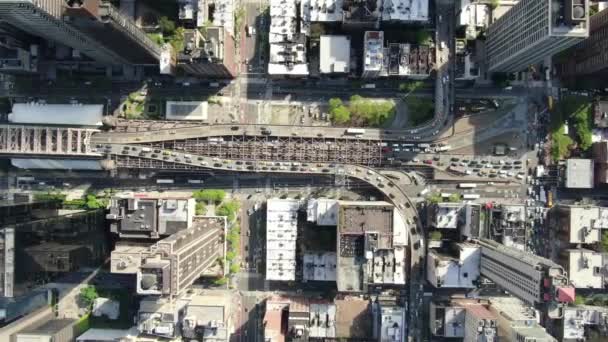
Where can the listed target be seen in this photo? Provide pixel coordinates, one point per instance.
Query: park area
(571, 127)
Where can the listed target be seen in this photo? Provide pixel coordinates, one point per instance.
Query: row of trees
(361, 111)
(209, 195)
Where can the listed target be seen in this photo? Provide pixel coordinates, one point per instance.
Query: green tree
(200, 208)
(167, 26)
(235, 268)
(435, 235)
(454, 198)
(605, 242)
(494, 4)
(220, 281)
(340, 115)
(228, 209)
(423, 37)
(434, 198)
(88, 294)
(209, 195)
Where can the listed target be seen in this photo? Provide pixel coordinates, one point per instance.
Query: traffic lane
(384, 184)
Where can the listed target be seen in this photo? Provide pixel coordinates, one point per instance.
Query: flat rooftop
(353, 318)
(361, 217)
(579, 173)
(586, 223)
(583, 267)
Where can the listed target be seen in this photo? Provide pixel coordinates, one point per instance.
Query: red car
(428, 161)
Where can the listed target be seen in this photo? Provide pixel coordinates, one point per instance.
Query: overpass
(53, 141)
(286, 150)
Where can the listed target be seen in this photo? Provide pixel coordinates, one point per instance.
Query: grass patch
(361, 111)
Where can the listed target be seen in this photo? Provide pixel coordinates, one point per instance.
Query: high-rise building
(103, 23)
(533, 30)
(172, 264)
(589, 56)
(91, 27)
(44, 18)
(531, 278)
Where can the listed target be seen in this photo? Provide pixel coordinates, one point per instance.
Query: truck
(355, 131)
(164, 181)
(467, 185)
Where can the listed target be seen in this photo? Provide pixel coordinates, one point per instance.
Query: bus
(457, 169)
(164, 181)
(467, 185)
(470, 196)
(25, 180)
(355, 131)
(443, 148)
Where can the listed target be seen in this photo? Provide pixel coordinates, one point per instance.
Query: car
(493, 175)
(455, 159)
(428, 161)
(517, 162)
(436, 158)
(234, 128)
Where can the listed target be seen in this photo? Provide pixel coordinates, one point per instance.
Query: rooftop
(335, 54)
(322, 322)
(287, 43)
(451, 323)
(405, 10)
(373, 59)
(459, 271)
(586, 223)
(392, 323)
(186, 110)
(281, 233)
(322, 211)
(586, 268)
(579, 173)
(320, 266)
(446, 215)
(321, 10)
(353, 318)
(601, 114)
(576, 318)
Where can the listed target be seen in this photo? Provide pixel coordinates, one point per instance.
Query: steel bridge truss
(127, 162)
(299, 149)
(40, 140)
